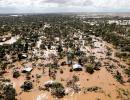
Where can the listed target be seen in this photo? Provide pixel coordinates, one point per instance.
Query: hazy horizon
(64, 6)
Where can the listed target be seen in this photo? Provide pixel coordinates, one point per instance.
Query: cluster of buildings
(119, 22)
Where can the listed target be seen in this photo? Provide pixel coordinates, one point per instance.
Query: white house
(27, 69)
(77, 67)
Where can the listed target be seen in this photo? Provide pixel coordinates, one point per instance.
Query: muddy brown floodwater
(101, 78)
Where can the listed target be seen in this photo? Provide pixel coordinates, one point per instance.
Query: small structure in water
(77, 67)
(27, 69)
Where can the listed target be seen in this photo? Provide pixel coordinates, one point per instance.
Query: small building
(77, 67)
(48, 84)
(27, 69)
(22, 56)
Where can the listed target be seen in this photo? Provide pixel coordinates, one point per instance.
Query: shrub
(63, 63)
(127, 71)
(61, 71)
(73, 84)
(27, 85)
(71, 70)
(75, 78)
(9, 92)
(118, 77)
(57, 90)
(95, 88)
(97, 65)
(89, 69)
(83, 59)
(42, 46)
(16, 74)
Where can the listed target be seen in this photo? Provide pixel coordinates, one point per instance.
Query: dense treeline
(30, 27)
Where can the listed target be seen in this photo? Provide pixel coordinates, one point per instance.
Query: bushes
(118, 77)
(75, 78)
(57, 90)
(89, 69)
(9, 92)
(63, 63)
(61, 55)
(93, 88)
(73, 84)
(3, 65)
(16, 74)
(71, 70)
(83, 59)
(27, 86)
(42, 46)
(127, 71)
(61, 71)
(97, 65)
(123, 55)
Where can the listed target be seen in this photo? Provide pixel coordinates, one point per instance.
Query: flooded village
(64, 57)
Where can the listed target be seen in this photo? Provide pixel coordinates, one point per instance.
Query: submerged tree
(9, 92)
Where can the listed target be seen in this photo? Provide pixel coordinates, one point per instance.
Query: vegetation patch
(89, 68)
